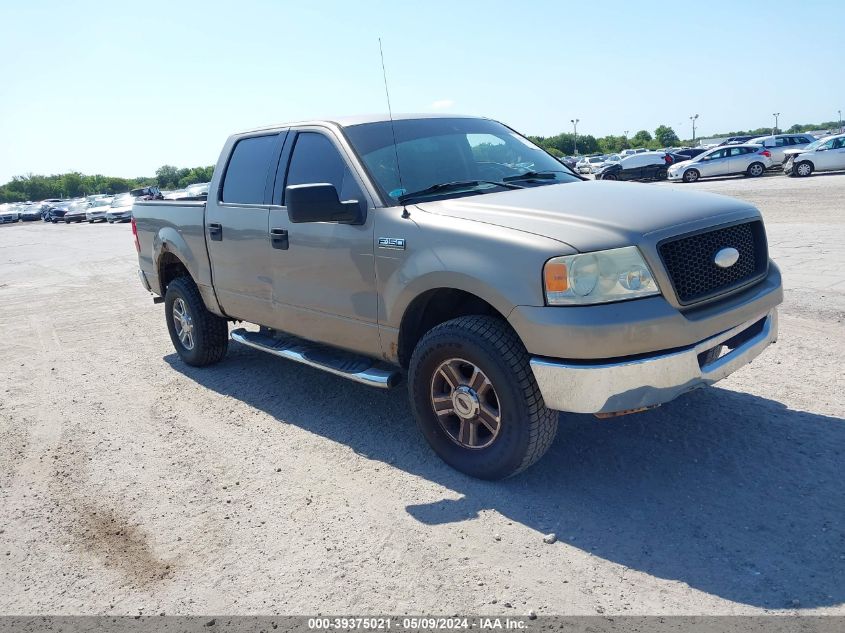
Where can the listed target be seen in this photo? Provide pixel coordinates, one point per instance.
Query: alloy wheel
(184, 323)
(466, 404)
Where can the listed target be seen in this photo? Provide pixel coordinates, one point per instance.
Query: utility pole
(575, 127)
(776, 115)
(840, 121)
(693, 118)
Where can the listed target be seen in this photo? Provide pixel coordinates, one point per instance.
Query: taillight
(668, 159)
(766, 153)
(135, 235)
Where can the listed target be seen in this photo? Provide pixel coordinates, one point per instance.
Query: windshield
(443, 150)
(122, 201)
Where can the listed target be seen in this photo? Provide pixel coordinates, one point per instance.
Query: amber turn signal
(557, 279)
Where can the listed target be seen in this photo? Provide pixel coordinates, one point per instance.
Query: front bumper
(675, 175)
(650, 380)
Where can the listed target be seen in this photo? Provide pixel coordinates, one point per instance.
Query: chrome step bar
(338, 362)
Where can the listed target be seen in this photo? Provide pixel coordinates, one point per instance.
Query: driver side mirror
(319, 202)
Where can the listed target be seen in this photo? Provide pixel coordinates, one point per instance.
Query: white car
(825, 154)
(751, 160)
(777, 144)
(590, 164)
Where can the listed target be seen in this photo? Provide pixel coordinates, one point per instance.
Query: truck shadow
(733, 494)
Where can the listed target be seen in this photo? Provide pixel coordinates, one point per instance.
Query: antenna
(405, 213)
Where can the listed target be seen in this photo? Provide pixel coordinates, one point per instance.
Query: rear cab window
(246, 173)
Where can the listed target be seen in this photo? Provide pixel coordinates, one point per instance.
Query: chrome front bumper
(587, 387)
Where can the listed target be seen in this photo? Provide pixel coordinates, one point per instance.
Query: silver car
(751, 160)
(778, 143)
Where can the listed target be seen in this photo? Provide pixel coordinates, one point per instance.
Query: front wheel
(199, 336)
(475, 398)
(691, 175)
(662, 174)
(803, 169)
(755, 169)
(609, 177)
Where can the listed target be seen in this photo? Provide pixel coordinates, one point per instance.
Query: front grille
(689, 261)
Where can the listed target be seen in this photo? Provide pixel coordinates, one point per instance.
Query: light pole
(693, 118)
(776, 115)
(840, 121)
(575, 140)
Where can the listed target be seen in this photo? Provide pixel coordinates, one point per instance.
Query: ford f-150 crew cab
(454, 252)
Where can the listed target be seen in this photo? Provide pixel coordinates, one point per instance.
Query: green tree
(641, 138)
(665, 136)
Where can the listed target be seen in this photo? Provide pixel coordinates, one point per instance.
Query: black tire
(691, 175)
(755, 170)
(805, 166)
(110, 221)
(210, 332)
(527, 428)
(90, 221)
(662, 174)
(609, 177)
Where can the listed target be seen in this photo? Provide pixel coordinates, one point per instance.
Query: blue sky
(121, 88)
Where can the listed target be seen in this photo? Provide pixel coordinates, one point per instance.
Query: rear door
(236, 224)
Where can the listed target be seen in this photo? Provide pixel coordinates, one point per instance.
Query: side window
(839, 143)
(717, 154)
(315, 159)
(246, 174)
(781, 141)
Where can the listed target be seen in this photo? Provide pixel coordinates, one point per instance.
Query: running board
(334, 361)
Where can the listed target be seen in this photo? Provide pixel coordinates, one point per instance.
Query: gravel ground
(132, 483)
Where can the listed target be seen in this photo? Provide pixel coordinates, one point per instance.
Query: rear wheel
(475, 398)
(199, 336)
(609, 177)
(691, 175)
(755, 169)
(662, 174)
(803, 169)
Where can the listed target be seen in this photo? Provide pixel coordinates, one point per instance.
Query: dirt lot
(131, 482)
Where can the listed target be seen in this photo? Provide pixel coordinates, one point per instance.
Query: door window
(716, 155)
(246, 174)
(315, 159)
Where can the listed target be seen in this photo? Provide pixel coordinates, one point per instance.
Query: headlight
(600, 277)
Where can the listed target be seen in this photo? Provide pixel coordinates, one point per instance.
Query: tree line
(74, 184)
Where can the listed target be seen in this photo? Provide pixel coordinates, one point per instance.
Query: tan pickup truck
(455, 253)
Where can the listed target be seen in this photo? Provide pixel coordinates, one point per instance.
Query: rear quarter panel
(177, 228)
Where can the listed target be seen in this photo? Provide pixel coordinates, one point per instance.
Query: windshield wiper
(443, 187)
(546, 174)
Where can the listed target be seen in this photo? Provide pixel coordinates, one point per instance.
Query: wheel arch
(433, 307)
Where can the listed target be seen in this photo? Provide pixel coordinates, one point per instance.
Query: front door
(236, 223)
(714, 164)
(324, 285)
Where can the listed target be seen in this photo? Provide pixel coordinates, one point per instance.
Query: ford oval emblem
(726, 257)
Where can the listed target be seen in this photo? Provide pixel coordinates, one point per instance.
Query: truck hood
(590, 215)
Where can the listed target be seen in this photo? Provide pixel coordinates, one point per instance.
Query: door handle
(279, 239)
(215, 231)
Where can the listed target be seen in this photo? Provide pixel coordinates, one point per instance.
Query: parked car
(120, 209)
(823, 155)
(639, 166)
(751, 160)
(76, 212)
(690, 152)
(504, 294)
(146, 193)
(9, 214)
(31, 212)
(197, 190)
(736, 140)
(97, 211)
(590, 164)
(56, 212)
(779, 143)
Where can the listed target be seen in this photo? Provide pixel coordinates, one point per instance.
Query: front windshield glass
(122, 201)
(436, 151)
